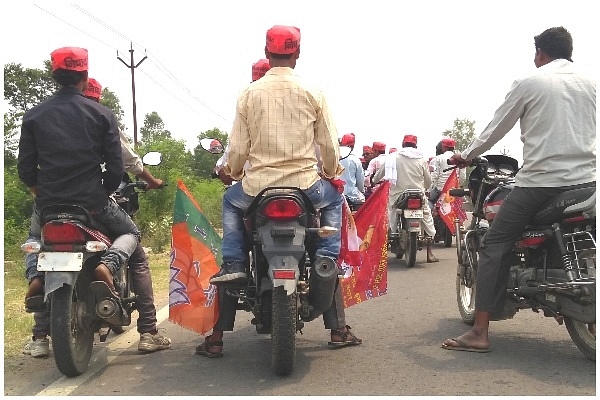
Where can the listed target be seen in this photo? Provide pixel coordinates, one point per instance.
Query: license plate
(59, 261)
(413, 213)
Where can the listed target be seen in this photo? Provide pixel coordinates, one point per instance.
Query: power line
(159, 65)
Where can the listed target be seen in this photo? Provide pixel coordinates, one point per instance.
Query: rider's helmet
(93, 90)
(260, 68)
(348, 140)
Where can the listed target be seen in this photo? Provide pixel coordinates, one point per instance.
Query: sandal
(210, 349)
(347, 338)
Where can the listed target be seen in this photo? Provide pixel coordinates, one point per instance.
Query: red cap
(367, 149)
(409, 139)
(379, 146)
(69, 58)
(347, 140)
(283, 39)
(393, 150)
(94, 89)
(260, 68)
(448, 142)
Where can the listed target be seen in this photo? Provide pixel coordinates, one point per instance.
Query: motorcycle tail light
(62, 232)
(282, 209)
(414, 204)
(284, 274)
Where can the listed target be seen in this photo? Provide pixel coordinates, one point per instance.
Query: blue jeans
(325, 198)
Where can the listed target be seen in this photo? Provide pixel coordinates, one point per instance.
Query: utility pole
(132, 67)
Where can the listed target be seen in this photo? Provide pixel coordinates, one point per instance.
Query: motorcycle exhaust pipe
(107, 308)
(322, 285)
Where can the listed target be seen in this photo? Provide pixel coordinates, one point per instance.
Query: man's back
(353, 175)
(412, 171)
(279, 119)
(69, 136)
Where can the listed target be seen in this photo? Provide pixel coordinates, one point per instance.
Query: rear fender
(413, 224)
(56, 280)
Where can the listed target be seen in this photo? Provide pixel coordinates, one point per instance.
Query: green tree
(153, 129)
(111, 101)
(203, 162)
(23, 89)
(463, 131)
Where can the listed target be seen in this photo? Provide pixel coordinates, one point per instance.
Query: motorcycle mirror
(212, 145)
(345, 151)
(152, 158)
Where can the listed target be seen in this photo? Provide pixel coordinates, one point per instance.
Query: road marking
(65, 386)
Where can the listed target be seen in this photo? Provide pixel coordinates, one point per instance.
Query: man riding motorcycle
(558, 155)
(411, 172)
(69, 172)
(281, 154)
(441, 170)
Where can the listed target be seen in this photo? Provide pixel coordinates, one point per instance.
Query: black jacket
(64, 140)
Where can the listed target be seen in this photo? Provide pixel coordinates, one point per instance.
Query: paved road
(401, 354)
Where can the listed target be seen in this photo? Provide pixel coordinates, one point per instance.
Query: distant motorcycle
(442, 233)
(409, 236)
(554, 269)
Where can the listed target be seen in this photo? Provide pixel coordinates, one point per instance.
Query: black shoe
(234, 272)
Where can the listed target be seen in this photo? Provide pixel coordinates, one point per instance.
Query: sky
(387, 68)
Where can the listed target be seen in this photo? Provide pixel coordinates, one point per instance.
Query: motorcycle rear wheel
(584, 339)
(72, 344)
(411, 249)
(283, 335)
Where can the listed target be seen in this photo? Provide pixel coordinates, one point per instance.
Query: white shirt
(412, 170)
(556, 107)
(438, 176)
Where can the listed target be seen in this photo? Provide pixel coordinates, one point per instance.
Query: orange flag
(195, 257)
(451, 207)
(363, 255)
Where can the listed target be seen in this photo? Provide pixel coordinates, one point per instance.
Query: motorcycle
(287, 284)
(554, 268)
(409, 236)
(68, 252)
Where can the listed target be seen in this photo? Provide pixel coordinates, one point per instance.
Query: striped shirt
(278, 121)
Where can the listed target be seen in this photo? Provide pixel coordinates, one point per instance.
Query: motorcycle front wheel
(72, 344)
(584, 337)
(283, 335)
(466, 285)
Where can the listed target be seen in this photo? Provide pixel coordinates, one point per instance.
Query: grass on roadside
(18, 323)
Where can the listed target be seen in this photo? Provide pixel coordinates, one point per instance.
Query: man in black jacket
(64, 140)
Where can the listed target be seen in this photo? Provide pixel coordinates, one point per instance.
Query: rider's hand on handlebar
(457, 160)
(226, 179)
(154, 184)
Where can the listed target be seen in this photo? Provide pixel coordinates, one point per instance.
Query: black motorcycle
(287, 284)
(554, 268)
(79, 307)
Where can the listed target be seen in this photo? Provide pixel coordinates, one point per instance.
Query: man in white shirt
(377, 161)
(411, 172)
(441, 171)
(556, 107)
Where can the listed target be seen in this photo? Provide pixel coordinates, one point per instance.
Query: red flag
(195, 256)
(363, 255)
(450, 207)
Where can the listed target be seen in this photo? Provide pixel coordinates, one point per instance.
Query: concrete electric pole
(132, 67)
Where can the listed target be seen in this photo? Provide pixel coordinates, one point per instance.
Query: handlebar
(130, 188)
